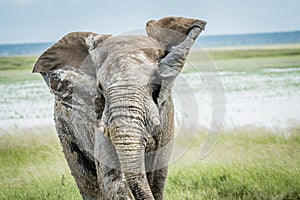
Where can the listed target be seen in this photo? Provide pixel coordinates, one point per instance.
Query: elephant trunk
(128, 134)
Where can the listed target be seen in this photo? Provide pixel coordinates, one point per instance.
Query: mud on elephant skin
(113, 109)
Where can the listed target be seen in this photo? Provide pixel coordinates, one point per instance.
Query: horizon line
(213, 35)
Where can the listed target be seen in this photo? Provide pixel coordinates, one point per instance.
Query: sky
(25, 21)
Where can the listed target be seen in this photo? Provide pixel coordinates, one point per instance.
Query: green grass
(17, 63)
(32, 166)
(247, 163)
(17, 69)
(243, 60)
(249, 53)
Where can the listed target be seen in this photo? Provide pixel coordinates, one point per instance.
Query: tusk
(101, 129)
(155, 121)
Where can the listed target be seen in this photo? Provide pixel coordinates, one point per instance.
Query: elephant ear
(69, 72)
(67, 53)
(175, 35)
(171, 31)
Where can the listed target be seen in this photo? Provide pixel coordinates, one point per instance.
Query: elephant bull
(113, 105)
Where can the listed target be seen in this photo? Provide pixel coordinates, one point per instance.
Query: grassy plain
(247, 163)
(243, 59)
(17, 69)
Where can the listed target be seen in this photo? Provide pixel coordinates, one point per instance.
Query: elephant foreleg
(82, 169)
(157, 181)
(157, 170)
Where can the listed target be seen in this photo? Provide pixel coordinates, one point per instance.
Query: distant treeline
(205, 41)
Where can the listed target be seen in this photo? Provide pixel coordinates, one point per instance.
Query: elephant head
(130, 80)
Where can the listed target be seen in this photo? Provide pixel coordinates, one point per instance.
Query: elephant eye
(155, 92)
(100, 88)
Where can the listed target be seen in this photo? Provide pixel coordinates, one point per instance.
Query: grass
(17, 63)
(250, 53)
(17, 69)
(247, 163)
(243, 59)
(33, 167)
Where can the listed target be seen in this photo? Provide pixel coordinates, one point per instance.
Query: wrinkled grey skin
(113, 105)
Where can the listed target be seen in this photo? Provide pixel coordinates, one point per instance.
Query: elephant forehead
(130, 41)
(131, 68)
(132, 59)
(132, 44)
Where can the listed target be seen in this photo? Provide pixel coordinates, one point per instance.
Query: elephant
(113, 108)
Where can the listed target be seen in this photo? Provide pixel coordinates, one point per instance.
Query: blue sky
(48, 20)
